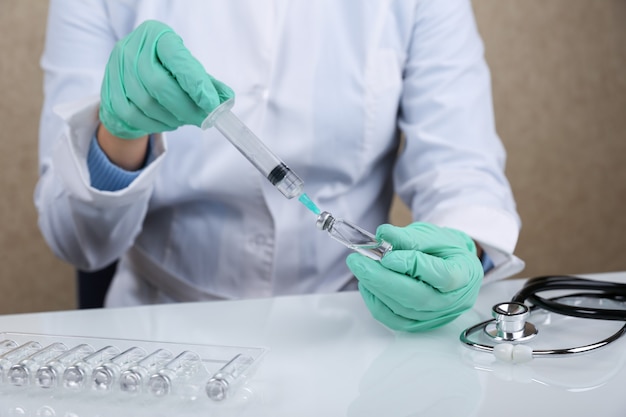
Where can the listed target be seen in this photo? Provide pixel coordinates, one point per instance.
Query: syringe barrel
(272, 167)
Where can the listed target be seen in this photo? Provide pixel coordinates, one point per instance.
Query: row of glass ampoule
(133, 370)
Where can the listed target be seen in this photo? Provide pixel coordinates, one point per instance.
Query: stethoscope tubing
(465, 339)
(602, 289)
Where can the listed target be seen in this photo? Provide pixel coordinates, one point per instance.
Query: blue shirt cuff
(106, 176)
(486, 261)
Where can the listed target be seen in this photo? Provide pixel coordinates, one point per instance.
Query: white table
(329, 357)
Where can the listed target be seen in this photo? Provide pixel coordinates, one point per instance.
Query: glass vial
(133, 379)
(49, 374)
(177, 376)
(7, 345)
(353, 236)
(14, 355)
(76, 376)
(221, 385)
(105, 375)
(22, 372)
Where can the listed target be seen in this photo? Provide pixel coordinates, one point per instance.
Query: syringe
(275, 170)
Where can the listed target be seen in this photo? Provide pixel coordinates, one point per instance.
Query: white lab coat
(326, 85)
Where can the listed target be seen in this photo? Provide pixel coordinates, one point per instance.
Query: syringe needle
(308, 203)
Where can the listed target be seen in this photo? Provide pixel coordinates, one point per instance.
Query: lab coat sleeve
(451, 170)
(83, 226)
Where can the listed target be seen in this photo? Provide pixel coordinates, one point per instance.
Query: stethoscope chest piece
(510, 323)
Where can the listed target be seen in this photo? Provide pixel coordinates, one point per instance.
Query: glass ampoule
(76, 376)
(7, 345)
(22, 373)
(353, 236)
(49, 375)
(105, 375)
(228, 377)
(177, 376)
(9, 358)
(133, 379)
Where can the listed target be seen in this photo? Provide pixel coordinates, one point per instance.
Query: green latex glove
(431, 276)
(153, 84)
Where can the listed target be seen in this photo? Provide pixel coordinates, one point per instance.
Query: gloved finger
(410, 297)
(419, 311)
(424, 237)
(190, 74)
(162, 85)
(122, 109)
(116, 112)
(153, 89)
(168, 113)
(445, 274)
(381, 312)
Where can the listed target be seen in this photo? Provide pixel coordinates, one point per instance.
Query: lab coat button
(258, 240)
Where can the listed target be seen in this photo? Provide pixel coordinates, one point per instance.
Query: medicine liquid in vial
(353, 236)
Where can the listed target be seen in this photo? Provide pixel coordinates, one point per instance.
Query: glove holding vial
(431, 276)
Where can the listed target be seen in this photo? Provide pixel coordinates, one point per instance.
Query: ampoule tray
(139, 370)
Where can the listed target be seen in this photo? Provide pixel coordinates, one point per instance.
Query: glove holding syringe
(272, 167)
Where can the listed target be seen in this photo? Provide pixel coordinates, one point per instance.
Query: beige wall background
(31, 278)
(559, 78)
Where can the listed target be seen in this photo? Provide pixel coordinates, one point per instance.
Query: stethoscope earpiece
(508, 352)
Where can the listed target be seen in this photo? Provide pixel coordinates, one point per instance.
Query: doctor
(126, 173)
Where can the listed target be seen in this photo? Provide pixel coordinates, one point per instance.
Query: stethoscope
(509, 328)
